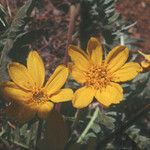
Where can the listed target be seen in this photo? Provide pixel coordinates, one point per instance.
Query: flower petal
(117, 57)
(62, 96)
(20, 75)
(57, 80)
(126, 72)
(79, 57)
(35, 67)
(95, 50)
(78, 75)
(44, 109)
(146, 56)
(12, 91)
(20, 113)
(83, 97)
(145, 64)
(112, 94)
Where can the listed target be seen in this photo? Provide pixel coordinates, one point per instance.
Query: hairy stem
(89, 125)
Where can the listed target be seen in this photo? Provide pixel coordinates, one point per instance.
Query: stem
(89, 125)
(39, 131)
(74, 12)
(77, 118)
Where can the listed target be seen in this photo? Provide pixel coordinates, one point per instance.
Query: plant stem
(39, 131)
(89, 125)
(74, 12)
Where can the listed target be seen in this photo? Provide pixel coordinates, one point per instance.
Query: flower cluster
(99, 78)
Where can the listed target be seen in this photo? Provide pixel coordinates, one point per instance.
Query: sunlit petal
(112, 94)
(20, 75)
(78, 75)
(36, 68)
(44, 109)
(79, 57)
(95, 50)
(57, 79)
(127, 72)
(83, 97)
(12, 91)
(62, 95)
(117, 57)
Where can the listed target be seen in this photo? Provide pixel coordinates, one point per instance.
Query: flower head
(27, 90)
(100, 77)
(146, 62)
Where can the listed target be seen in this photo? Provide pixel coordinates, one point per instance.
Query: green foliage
(142, 142)
(99, 18)
(3, 14)
(13, 32)
(24, 136)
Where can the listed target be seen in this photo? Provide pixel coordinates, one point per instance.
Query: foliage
(12, 33)
(100, 18)
(3, 21)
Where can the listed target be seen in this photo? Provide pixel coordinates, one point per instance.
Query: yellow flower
(28, 92)
(100, 77)
(146, 62)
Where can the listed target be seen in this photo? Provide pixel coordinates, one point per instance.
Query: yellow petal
(12, 91)
(112, 94)
(44, 109)
(83, 97)
(62, 96)
(146, 56)
(126, 72)
(78, 75)
(57, 80)
(79, 57)
(145, 64)
(36, 68)
(20, 113)
(20, 75)
(95, 50)
(117, 57)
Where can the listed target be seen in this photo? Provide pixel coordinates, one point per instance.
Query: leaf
(56, 134)
(3, 14)
(96, 128)
(15, 29)
(142, 141)
(106, 120)
(21, 19)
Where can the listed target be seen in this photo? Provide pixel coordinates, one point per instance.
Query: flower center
(39, 97)
(97, 76)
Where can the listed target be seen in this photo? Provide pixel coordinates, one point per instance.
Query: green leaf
(106, 120)
(15, 29)
(3, 21)
(142, 141)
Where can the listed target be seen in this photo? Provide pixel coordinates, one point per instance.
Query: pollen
(39, 97)
(98, 76)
